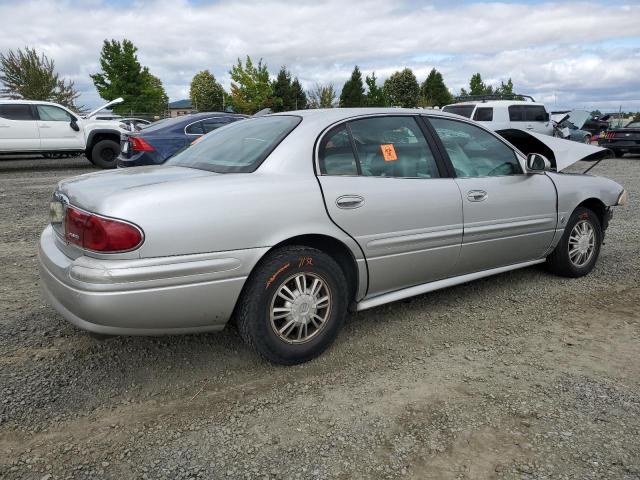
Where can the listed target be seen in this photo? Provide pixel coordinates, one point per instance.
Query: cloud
(571, 53)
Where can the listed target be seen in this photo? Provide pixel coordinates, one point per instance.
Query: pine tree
(281, 88)
(123, 76)
(375, 94)
(299, 98)
(433, 90)
(352, 94)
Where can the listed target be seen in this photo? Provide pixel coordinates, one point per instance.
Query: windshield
(464, 110)
(633, 124)
(238, 147)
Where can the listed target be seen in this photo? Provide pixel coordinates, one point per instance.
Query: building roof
(186, 103)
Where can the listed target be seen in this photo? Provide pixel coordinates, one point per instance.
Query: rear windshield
(239, 147)
(464, 110)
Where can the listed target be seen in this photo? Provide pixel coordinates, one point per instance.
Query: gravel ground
(523, 375)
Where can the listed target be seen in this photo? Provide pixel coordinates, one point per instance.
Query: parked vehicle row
(284, 222)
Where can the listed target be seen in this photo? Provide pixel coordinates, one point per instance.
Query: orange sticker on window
(388, 152)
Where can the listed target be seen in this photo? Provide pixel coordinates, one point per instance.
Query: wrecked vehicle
(570, 124)
(287, 221)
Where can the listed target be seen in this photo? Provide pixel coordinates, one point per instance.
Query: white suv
(48, 128)
(505, 114)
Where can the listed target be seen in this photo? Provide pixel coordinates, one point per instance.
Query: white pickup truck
(30, 126)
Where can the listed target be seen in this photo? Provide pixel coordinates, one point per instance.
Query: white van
(504, 114)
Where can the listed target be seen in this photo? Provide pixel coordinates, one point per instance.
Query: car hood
(562, 153)
(93, 189)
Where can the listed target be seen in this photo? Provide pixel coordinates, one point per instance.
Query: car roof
(337, 114)
(28, 102)
(496, 103)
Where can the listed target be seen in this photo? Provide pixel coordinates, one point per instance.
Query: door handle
(349, 201)
(476, 195)
(44, 126)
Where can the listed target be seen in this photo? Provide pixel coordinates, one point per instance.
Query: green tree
(123, 76)
(476, 85)
(375, 94)
(281, 87)
(206, 94)
(352, 94)
(322, 96)
(505, 88)
(251, 89)
(27, 75)
(298, 97)
(433, 90)
(402, 89)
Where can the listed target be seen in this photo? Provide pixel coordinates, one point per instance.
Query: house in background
(181, 107)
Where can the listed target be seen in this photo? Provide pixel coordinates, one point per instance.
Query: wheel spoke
(322, 302)
(289, 297)
(300, 283)
(315, 288)
(286, 330)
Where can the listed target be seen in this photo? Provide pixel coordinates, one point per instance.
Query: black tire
(559, 262)
(280, 267)
(105, 153)
(618, 153)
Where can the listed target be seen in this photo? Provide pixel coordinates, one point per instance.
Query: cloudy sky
(566, 54)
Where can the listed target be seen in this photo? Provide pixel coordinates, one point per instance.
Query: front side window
(483, 114)
(49, 113)
(16, 112)
(238, 148)
(475, 152)
(210, 124)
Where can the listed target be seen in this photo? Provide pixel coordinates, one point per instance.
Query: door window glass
(211, 124)
(49, 113)
(534, 113)
(16, 112)
(392, 147)
(475, 152)
(336, 154)
(515, 113)
(194, 129)
(483, 114)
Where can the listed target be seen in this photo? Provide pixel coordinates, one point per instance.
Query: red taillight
(140, 145)
(98, 233)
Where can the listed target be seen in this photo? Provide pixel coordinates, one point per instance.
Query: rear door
(384, 186)
(509, 216)
(56, 133)
(18, 128)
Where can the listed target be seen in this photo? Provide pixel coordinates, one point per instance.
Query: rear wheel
(577, 252)
(587, 139)
(618, 153)
(293, 306)
(104, 153)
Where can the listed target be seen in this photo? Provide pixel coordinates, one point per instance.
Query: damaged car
(282, 224)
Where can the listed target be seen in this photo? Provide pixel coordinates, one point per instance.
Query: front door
(18, 128)
(382, 185)
(55, 128)
(509, 216)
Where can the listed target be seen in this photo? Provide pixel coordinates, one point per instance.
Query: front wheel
(577, 252)
(104, 154)
(293, 306)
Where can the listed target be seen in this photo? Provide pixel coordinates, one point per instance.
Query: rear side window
(464, 110)
(515, 113)
(384, 147)
(210, 124)
(16, 112)
(238, 148)
(535, 113)
(49, 113)
(483, 114)
(194, 129)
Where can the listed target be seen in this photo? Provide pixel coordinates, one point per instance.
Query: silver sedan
(283, 223)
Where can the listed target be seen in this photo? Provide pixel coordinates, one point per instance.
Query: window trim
(520, 157)
(198, 121)
(441, 165)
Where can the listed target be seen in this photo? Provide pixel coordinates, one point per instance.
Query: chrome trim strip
(439, 284)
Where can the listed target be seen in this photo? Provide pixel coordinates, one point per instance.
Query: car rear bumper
(158, 296)
(140, 159)
(629, 146)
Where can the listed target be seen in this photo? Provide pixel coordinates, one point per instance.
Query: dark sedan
(156, 143)
(623, 140)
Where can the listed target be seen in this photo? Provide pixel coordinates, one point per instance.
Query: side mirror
(74, 125)
(538, 163)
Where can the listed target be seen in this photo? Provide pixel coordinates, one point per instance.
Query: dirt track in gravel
(522, 375)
